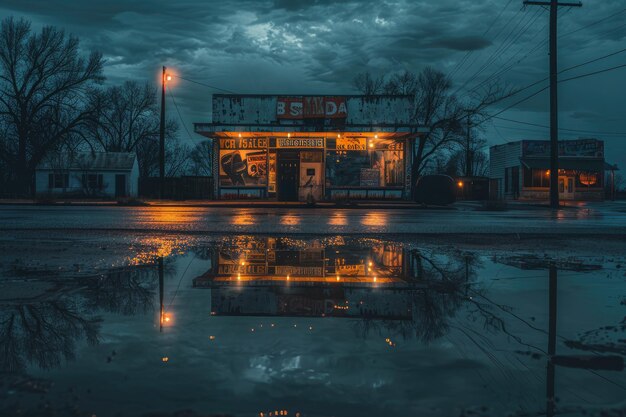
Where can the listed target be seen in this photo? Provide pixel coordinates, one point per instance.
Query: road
(592, 219)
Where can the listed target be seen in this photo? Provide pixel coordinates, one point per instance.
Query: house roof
(93, 161)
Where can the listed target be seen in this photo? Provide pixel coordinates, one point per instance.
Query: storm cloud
(317, 46)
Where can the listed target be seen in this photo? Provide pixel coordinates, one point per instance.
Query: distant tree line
(53, 102)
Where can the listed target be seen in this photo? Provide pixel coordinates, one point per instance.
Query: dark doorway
(287, 175)
(515, 181)
(120, 185)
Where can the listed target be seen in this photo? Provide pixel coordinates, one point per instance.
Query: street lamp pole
(162, 139)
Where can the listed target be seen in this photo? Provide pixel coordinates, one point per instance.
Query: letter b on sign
(280, 108)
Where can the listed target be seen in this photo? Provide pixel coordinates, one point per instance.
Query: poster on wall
(271, 183)
(244, 168)
(369, 177)
(351, 144)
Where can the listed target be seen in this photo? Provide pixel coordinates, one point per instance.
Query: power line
(594, 60)
(589, 74)
(566, 130)
(592, 24)
(566, 79)
(498, 73)
(545, 88)
(179, 115)
(513, 105)
(495, 55)
(496, 37)
(468, 53)
(204, 84)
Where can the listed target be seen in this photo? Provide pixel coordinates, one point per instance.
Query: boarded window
(58, 180)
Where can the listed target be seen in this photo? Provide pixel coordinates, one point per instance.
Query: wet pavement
(602, 218)
(250, 325)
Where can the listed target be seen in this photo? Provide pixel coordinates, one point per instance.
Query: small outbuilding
(89, 174)
(521, 170)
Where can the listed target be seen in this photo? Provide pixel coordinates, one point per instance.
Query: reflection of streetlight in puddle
(375, 219)
(338, 219)
(290, 220)
(243, 218)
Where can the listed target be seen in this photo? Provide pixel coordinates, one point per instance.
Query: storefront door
(287, 175)
(566, 188)
(310, 176)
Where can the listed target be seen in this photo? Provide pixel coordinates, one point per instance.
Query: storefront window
(589, 179)
(365, 168)
(536, 177)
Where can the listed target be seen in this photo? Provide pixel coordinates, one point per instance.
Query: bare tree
(368, 84)
(436, 107)
(126, 118)
(200, 159)
(43, 83)
(404, 83)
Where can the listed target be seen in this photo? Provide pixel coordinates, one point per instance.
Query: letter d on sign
(331, 108)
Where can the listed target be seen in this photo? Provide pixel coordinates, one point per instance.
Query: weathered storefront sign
(299, 142)
(311, 107)
(351, 144)
(243, 143)
(590, 148)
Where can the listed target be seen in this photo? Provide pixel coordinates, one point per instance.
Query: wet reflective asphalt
(317, 326)
(593, 219)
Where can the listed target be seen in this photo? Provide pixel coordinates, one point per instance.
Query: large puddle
(267, 326)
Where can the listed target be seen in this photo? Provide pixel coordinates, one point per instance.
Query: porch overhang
(211, 130)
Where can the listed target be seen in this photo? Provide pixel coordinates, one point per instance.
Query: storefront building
(521, 170)
(311, 148)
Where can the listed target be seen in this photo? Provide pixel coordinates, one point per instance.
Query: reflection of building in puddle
(329, 301)
(271, 260)
(270, 277)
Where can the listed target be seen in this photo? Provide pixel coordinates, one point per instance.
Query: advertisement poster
(351, 144)
(243, 168)
(271, 183)
(369, 177)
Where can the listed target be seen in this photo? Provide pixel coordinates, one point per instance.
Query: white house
(89, 174)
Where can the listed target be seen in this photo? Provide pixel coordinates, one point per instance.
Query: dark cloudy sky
(316, 46)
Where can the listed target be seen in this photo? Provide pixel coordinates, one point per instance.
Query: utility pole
(468, 150)
(162, 140)
(554, 120)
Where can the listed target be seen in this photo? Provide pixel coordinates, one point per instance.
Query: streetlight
(164, 78)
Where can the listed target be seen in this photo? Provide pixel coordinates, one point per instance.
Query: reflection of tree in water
(445, 279)
(128, 290)
(44, 332)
